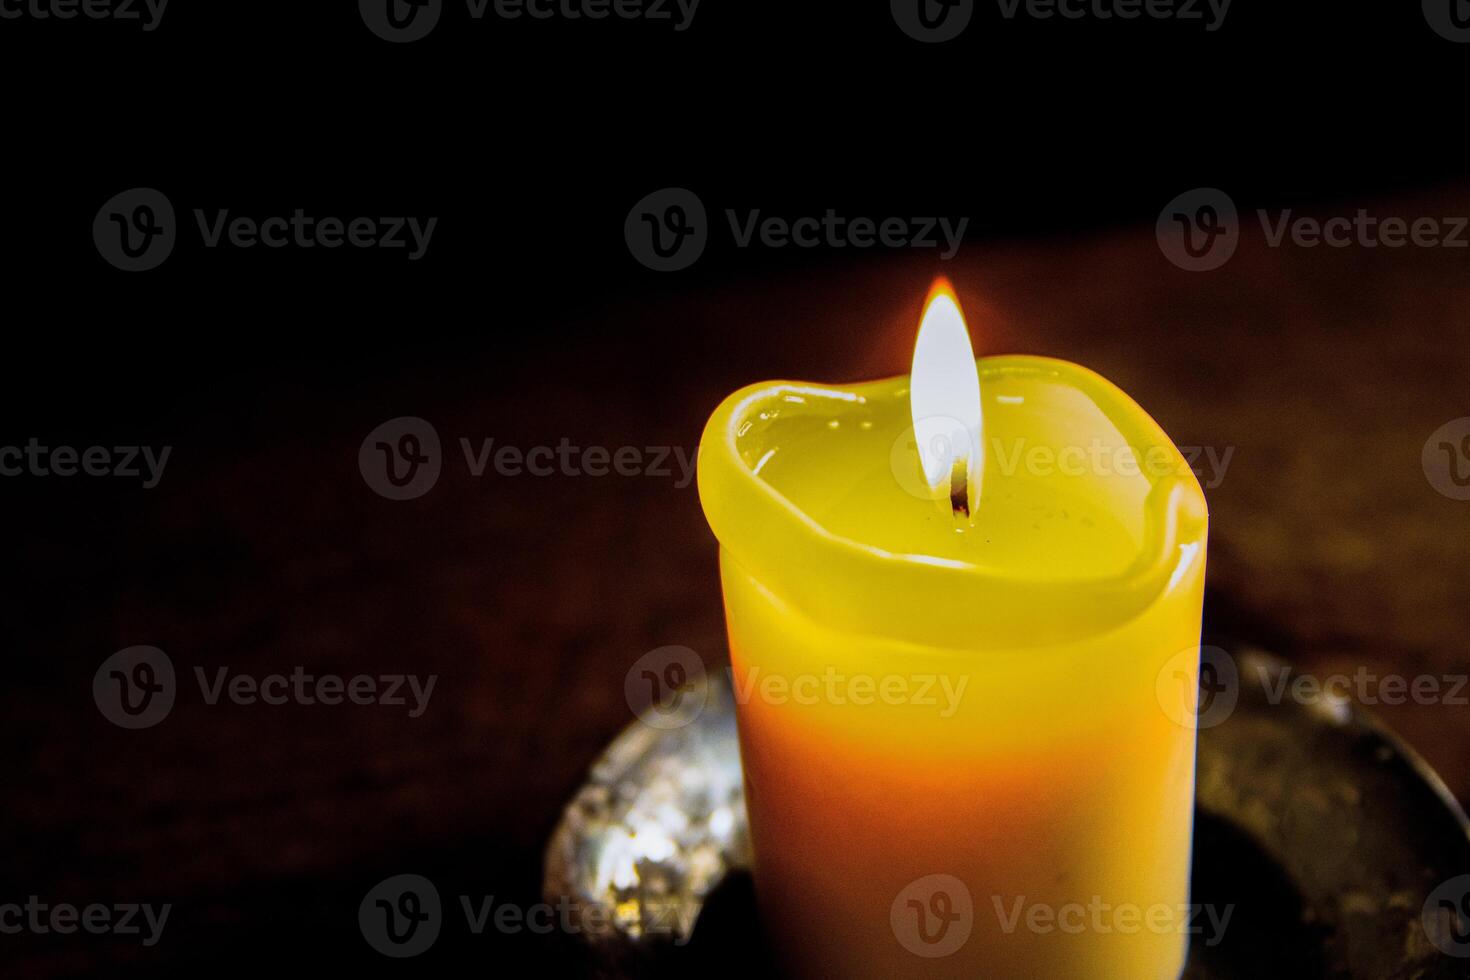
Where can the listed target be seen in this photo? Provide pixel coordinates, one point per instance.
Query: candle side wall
(1058, 779)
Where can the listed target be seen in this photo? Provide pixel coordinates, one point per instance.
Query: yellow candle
(963, 748)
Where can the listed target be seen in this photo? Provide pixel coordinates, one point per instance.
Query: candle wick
(959, 488)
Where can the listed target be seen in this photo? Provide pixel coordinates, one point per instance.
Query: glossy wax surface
(852, 466)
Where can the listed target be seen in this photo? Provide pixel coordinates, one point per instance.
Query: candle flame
(944, 400)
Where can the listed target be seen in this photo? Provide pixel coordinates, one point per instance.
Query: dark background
(529, 321)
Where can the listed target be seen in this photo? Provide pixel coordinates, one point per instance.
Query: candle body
(1057, 787)
(967, 751)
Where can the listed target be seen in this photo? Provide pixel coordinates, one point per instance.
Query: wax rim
(849, 583)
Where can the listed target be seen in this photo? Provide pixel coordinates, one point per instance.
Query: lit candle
(958, 606)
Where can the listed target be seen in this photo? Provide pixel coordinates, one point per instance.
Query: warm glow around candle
(944, 400)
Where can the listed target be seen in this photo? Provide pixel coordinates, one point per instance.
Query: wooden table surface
(1323, 371)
